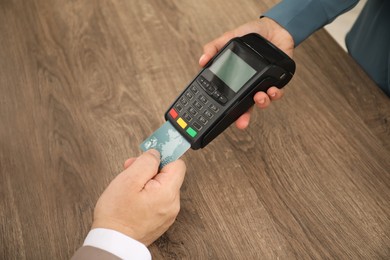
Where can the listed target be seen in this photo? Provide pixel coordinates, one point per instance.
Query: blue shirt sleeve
(301, 18)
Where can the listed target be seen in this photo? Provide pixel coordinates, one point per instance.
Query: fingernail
(202, 58)
(273, 94)
(262, 101)
(155, 153)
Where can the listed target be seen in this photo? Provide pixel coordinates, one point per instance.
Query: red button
(173, 113)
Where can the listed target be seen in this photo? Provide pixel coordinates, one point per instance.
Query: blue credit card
(168, 141)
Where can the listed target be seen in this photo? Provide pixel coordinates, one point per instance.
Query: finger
(129, 162)
(262, 100)
(144, 168)
(274, 93)
(172, 175)
(243, 121)
(206, 57)
(211, 48)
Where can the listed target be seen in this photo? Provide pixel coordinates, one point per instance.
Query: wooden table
(83, 83)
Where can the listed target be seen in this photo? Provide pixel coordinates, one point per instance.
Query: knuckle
(149, 158)
(174, 204)
(170, 221)
(176, 209)
(173, 213)
(207, 47)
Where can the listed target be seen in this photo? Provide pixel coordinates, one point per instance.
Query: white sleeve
(117, 244)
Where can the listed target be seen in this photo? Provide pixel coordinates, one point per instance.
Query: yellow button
(181, 123)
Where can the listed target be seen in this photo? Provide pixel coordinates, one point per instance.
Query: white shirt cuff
(117, 244)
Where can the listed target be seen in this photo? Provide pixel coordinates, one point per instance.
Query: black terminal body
(224, 89)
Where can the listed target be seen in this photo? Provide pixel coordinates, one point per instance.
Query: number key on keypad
(194, 89)
(192, 111)
(197, 105)
(187, 117)
(208, 114)
(214, 108)
(189, 95)
(178, 107)
(203, 120)
(203, 99)
(184, 101)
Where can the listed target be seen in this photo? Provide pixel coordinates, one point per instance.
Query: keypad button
(173, 113)
(202, 120)
(178, 107)
(187, 117)
(214, 108)
(216, 94)
(197, 105)
(197, 126)
(205, 84)
(194, 89)
(208, 114)
(189, 95)
(222, 99)
(201, 79)
(203, 99)
(191, 132)
(192, 111)
(184, 101)
(210, 89)
(181, 122)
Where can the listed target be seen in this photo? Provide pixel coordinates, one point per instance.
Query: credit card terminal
(224, 89)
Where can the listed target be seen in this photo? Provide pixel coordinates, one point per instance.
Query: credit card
(168, 141)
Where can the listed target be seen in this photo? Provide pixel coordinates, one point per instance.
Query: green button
(191, 132)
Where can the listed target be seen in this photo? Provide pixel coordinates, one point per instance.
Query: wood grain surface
(83, 83)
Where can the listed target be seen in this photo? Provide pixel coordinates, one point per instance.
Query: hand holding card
(168, 141)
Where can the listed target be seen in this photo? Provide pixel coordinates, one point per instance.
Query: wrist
(119, 227)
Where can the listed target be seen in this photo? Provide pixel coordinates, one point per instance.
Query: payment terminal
(224, 89)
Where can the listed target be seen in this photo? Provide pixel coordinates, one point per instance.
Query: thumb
(172, 175)
(211, 48)
(144, 168)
